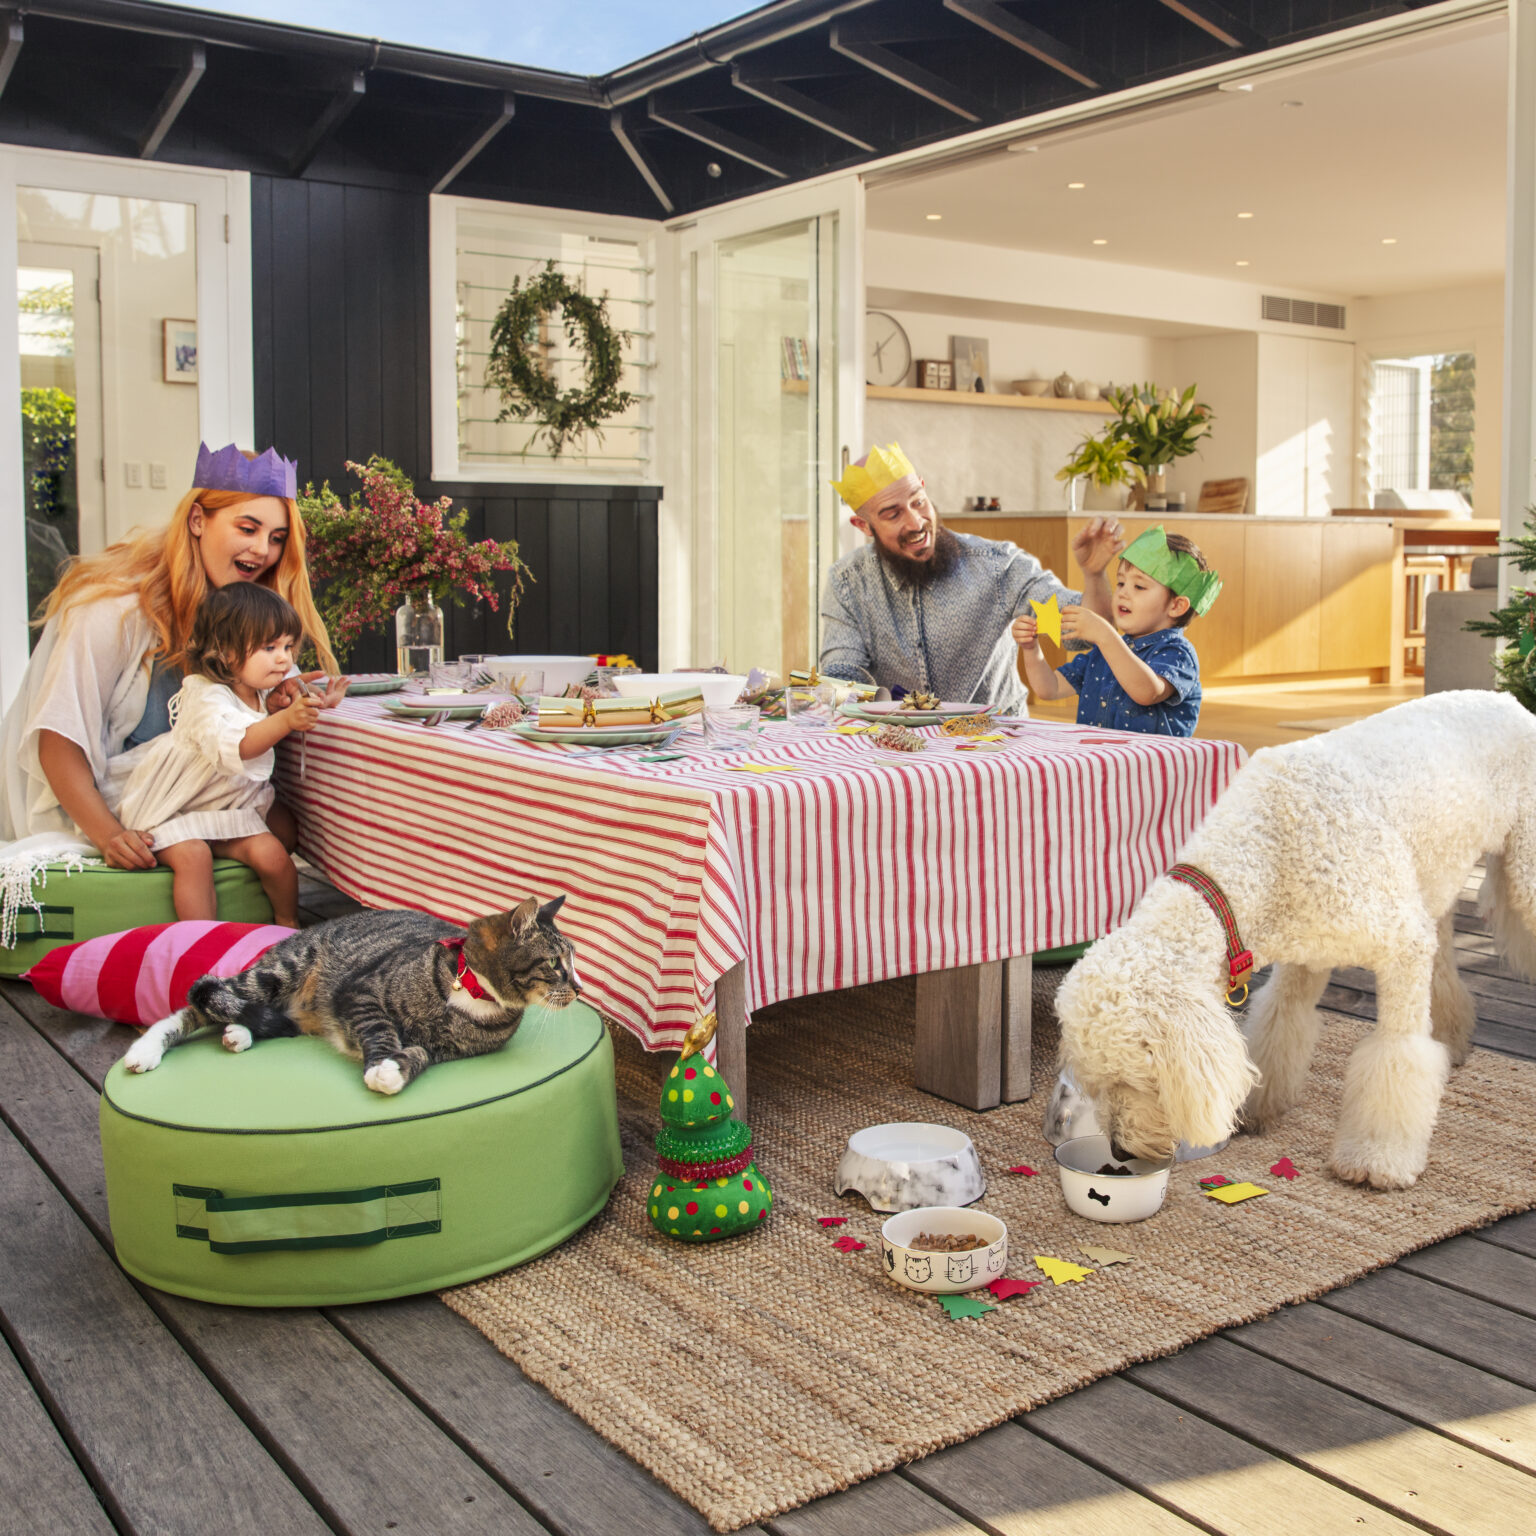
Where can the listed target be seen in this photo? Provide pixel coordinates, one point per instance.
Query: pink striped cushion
(141, 976)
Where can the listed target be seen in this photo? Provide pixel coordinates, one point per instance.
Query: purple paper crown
(229, 470)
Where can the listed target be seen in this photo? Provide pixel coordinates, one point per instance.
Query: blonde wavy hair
(164, 567)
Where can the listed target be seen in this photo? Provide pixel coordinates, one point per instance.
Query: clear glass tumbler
(811, 707)
(738, 726)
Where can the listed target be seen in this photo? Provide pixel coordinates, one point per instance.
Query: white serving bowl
(720, 689)
(1110, 1197)
(922, 1270)
(909, 1163)
(1032, 386)
(559, 671)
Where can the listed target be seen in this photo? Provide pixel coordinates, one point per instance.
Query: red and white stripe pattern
(857, 865)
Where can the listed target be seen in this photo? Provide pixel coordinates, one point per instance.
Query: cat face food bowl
(1130, 1196)
(909, 1163)
(929, 1269)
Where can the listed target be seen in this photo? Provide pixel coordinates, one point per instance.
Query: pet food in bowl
(906, 1164)
(943, 1270)
(1133, 1192)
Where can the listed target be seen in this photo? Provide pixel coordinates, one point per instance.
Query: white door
(771, 335)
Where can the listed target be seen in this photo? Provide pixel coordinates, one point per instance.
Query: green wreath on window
(518, 370)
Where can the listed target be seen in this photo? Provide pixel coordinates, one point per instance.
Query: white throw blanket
(27, 860)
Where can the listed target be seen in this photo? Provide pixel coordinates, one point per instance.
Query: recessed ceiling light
(1235, 85)
(1245, 215)
(1076, 186)
(1242, 263)
(1023, 149)
(1390, 240)
(1101, 242)
(1293, 103)
(933, 218)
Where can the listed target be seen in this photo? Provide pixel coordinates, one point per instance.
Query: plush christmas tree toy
(709, 1185)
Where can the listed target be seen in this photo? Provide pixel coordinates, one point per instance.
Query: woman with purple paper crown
(98, 688)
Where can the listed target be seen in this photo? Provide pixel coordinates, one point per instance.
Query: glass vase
(1075, 494)
(418, 634)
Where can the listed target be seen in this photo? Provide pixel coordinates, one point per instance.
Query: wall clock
(887, 352)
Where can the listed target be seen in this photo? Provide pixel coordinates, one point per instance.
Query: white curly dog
(1346, 849)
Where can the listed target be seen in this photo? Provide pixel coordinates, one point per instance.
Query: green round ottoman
(99, 899)
(274, 1178)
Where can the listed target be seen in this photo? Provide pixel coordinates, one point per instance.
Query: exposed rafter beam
(340, 108)
(11, 30)
(493, 125)
(723, 139)
(194, 63)
(855, 44)
(624, 133)
(991, 17)
(1219, 22)
(787, 99)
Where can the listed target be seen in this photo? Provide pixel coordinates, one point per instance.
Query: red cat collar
(1239, 960)
(464, 979)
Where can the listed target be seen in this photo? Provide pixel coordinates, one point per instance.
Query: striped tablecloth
(854, 865)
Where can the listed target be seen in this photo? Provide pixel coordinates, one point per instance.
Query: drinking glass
(609, 680)
(810, 707)
(450, 674)
(738, 726)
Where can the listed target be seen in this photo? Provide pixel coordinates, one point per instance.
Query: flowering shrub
(368, 555)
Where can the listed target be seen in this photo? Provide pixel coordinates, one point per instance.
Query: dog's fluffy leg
(1509, 903)
(1282, 1034)
(1452, 1013)
(1392, 1085)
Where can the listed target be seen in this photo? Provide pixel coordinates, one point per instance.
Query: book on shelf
(795, 360)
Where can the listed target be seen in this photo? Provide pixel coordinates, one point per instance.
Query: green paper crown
(1177, 571)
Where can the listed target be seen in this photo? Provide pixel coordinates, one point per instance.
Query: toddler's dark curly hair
(233, 623)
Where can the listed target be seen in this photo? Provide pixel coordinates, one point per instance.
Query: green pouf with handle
(708, 1187)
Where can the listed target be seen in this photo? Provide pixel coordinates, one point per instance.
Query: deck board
(1406, 1401)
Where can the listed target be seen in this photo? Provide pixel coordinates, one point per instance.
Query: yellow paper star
(1230, 1194)
(764, 767)
(1048, 617)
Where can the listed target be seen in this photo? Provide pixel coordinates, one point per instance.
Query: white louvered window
(487, 246)
(1420, 421)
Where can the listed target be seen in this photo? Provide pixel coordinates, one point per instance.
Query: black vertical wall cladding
(340, 284)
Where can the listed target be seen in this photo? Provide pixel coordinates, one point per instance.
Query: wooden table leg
(732, 1019)
(958, 1053)
(1018, 1022)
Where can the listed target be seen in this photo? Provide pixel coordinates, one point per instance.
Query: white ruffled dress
(192, 782)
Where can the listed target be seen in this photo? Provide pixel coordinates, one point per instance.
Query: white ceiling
(1404, 142)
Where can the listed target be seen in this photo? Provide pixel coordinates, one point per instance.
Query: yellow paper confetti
(764, 767)
(1060, 1270)
(1103, 1256)
(854, 730)
(1048, 616)
(1230, 1194)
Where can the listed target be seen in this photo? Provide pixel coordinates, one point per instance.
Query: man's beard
(922, 573)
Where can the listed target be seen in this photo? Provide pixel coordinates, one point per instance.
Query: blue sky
(587, 37)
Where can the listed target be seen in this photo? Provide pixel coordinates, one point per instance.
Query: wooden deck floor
(1404, 1402)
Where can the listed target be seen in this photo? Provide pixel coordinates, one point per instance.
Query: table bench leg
(731, 1033)
(973, 1033)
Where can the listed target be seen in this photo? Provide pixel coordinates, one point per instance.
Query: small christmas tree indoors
(1515, 624)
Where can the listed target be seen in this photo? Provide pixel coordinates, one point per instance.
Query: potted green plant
(1101, 461)
(1158, 426)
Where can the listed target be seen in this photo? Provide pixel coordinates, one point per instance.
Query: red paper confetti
(831, 1221)
(1215, 1181)
(1003, 1287)
(848, 1244)
(1284, 1169)
(1025, 1169)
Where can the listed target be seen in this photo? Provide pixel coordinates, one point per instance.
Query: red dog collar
(1239, 960)
(464, 979)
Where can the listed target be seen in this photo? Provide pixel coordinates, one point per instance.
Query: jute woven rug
(753, 1375)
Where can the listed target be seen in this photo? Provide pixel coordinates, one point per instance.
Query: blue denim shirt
(1102, 701)
(949, 637)
(164, 684)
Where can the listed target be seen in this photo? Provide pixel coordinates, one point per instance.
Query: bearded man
(928, 610)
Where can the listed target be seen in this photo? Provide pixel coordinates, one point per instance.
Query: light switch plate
(156, 476)
(133, 474)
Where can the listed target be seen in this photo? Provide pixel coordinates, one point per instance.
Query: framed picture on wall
(973, 371)
(180, 339)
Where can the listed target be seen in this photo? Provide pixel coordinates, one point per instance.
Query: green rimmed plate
(599, 736)
(402, 710)
(359, 686)
(884, 712)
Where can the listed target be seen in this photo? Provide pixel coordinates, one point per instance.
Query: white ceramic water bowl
(720, 689)
(1070, 1112)
(909, 1163)
(559, 671)
(922, 1270)
(1110, 1197)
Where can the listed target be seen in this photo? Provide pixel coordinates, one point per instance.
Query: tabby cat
(398, 990)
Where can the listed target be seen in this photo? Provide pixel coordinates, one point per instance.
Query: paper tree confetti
(848, 1244)
(832, 1221)
(1048, 617)
(1003, 1287)
(1060, 1270)
(1023, 1168)
(764, 767)
(964, 1306)
(1284, 1169)
(1230, 1194)
(1104, 1256)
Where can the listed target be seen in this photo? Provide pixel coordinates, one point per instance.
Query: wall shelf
(1010, 402)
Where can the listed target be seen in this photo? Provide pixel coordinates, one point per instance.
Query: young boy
(1141, 673)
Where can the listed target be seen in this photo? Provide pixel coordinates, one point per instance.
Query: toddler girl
(202, 789)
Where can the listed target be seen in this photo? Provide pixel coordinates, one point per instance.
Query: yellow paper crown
(882, 467)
